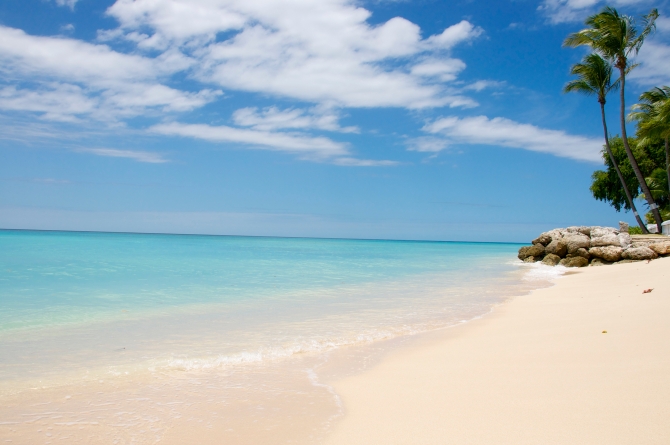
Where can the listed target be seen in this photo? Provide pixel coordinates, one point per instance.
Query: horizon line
(255, 236)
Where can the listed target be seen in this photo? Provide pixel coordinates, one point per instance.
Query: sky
(424, 119)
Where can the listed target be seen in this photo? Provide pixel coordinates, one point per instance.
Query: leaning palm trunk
(631, 158)
(629, 197)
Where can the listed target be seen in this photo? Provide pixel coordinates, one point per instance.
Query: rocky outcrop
(579, 246)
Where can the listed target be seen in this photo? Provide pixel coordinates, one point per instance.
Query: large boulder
(597, 231)
(523, 253)
(536, 250)
(574, 262)
(557, 247)
(576, 240)
(609, 239)
(607, 253)
(639, 253)
(584, 230)
(579, 252)
(662, 248)
(544, 239)
(551, 260)
(624, 239)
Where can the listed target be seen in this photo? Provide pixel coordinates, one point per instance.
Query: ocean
(233, 335)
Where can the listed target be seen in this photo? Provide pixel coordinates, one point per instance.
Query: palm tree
(652, 121)
(594, 77)
(616, 38)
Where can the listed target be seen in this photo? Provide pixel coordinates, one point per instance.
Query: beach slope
(539, 370)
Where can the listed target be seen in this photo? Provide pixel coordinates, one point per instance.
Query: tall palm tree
(652, 121)
(594, 78)
(615, 37)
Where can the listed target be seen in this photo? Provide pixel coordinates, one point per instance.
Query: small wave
(542, 272)
(269, 354)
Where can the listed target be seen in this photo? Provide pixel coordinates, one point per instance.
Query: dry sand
(539, 370)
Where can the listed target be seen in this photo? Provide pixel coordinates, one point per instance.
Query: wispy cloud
(480, 130)
(139, 156)
(68, 3)
(272, 118)
(320, 149)
(654, 57)
(313, 147)
(562, 11)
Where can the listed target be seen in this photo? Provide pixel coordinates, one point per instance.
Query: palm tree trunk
(667, 161)
(631, 203)
(633, 162)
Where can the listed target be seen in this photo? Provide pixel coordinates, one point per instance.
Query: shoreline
(538, 369)
(275, 401)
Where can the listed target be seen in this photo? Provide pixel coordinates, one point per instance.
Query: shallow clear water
(80, 300)
(156, 313)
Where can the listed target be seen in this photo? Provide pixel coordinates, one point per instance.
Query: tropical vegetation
(637, 167)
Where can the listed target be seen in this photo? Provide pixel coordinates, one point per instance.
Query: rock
(551, 259)
(639, 253)
(661, 248)
(574, 262)
(530, 259)
(579, 252)
(609, 239)
(544, 239)
(579, 229)
(576, 241)
(599, 262)
(626, 261)
(598, 231)
(557, 247)
(624, 239)
(536, 250)
(623, 227)
(607, 253)
(523, 253)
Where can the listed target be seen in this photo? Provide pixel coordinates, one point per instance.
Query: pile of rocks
(596, 246)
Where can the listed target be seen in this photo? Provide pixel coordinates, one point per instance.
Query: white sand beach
(539, 370)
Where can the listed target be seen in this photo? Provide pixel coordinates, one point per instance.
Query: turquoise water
(71, 303)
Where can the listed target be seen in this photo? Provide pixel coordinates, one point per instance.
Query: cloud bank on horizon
(167, 61)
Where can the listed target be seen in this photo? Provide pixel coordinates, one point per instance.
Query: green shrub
(635, 230)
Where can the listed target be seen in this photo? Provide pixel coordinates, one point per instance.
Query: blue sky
(334, 118)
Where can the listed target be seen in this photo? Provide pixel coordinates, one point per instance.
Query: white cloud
(321, 51)
(89, 79)
(654, 57)
(480, 130)
(318, 149)
(59, 102)
(427, 144)
(69, 3)
(309, 147)
(139, 156)
(324, 55)
(481, 85)
(272, 118)
(561, 11)
(353, 162)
